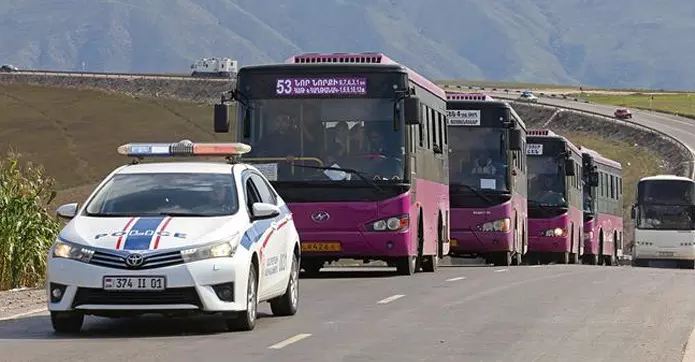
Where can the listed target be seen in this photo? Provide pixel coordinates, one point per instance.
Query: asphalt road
(465, 313)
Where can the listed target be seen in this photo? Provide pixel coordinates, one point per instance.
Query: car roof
(176, 167)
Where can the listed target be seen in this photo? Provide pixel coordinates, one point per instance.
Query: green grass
(74, 133)
(682, 104)
(637, 162)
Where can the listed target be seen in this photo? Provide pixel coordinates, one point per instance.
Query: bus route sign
(320, 86)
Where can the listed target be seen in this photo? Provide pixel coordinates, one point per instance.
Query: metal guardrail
(63, 73)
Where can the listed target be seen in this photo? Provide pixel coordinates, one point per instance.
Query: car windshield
(180, 194)
(477, 158)
(356, 134)
(546, 181)
(666, 217)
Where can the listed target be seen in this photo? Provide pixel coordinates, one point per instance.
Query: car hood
(146, 233)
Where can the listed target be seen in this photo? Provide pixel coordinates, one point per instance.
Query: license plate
(664, 253)
(134, 283)
(321, 246)
(453, 242)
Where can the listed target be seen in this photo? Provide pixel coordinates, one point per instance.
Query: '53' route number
(283, 86)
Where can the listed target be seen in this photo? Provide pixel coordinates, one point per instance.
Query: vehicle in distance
(175, 238)
(487, 180)
(556, 220)
(8, 68)
(603, 208)
(356, 144)
(214, 67)
(622, 113)
(527, 96)
(664, 215)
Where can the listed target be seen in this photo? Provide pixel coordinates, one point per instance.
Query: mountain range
(618, 43)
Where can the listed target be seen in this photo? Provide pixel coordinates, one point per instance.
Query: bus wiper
(477, 192)
(348, 170)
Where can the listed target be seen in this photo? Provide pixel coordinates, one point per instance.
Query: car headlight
(554, 232)
(501, 225)
(66, 250)
(219, 249)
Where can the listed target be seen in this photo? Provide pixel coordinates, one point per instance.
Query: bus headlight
(501, 225)
(392, 224)
(554, 232)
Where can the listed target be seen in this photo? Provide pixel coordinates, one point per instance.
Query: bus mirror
(593, 179)
(412, 113)
(221, 118)
(247, 123)
(633, 212)
(569, 167)
(515, 139)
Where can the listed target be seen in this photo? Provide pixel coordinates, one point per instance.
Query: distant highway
(461, 313)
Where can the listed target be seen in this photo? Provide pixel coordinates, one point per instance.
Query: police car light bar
(183, 148)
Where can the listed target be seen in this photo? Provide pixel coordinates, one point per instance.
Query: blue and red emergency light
(183, 148)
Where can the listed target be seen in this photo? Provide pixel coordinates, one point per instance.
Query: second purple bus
(354, 144)
(603, 208)
(487, 179)
(556, 221)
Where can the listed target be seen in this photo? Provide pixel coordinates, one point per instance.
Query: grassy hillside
(75, 133)
(646, 45)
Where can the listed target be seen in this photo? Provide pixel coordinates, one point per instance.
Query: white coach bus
(664, 217)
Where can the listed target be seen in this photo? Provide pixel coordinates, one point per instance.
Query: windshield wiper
(174, 213)
(348, 170)
(477, 192)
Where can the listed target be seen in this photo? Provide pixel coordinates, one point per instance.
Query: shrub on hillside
(27, 229)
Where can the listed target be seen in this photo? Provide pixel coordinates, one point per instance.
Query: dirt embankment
(673, 156)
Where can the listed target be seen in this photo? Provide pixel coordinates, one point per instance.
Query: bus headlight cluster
(393, 224)
(554, 232)
(501, 225)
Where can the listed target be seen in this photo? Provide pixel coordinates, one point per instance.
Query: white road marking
(535, 266)
(501, 270)
(290, 340)
(390, 299)
(455, 279)
(24, 314)
(689, 354)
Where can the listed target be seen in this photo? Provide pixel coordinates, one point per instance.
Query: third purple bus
(487, 179)
(355, 145)
(556, 221)
(603, 208)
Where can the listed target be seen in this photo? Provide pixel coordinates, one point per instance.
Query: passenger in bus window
(337, 150)
(312, 131)
(483, 166)
(357, 139)
(281, 138)
(546, 191)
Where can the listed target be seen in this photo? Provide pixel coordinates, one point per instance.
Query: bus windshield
(666, 217)
(666, 192)
(546, 181)
(477, 158)
(352, 133)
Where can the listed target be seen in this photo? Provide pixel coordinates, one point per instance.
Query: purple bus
(556, 221)
(354, 144)
(487, 179)
(603, 208)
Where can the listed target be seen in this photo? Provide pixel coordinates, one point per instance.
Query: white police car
(175, 238)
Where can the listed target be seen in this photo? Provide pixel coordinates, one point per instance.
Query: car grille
(169, 296)
(150, 261)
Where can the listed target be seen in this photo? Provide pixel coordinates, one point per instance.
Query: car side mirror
(67, 211)
(262, 211)
(412, 112)
(221, 121)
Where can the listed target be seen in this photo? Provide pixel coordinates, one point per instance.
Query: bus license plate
(665, 253)
(321, 246)
(135, 283)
